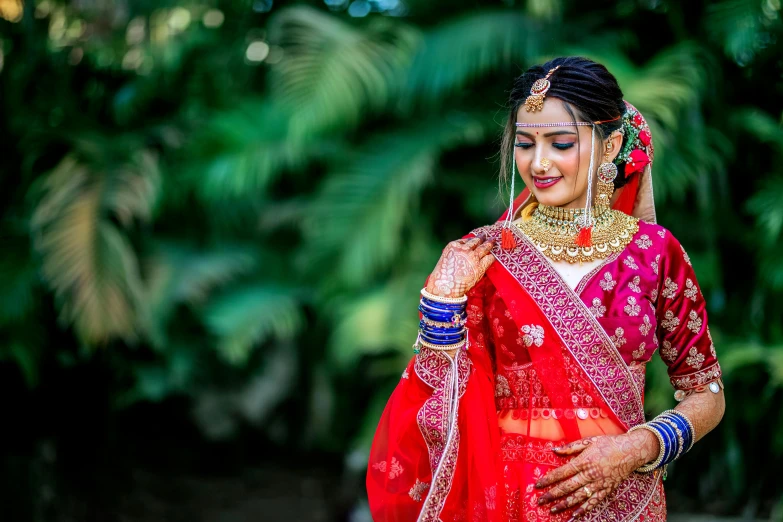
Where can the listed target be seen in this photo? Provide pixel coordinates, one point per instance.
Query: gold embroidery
(654, 264)
(395, 470)
(668, 352)
(670, 288)
(498, 327)
(695, 323)
(631, 263)
(685, 256)
(632, 309)
(695, 359)
(690, 290)
(634, 285)
(644, 242)
(418, 489)
(618, 338)
(502, 389)
(654, 295)
(607, 283)
(534, 334)
(637, 354)
(670, 321)
(490, 495)
(405, 373)
(645, 327)
(597, 309)
(662, 233)
(712, 345)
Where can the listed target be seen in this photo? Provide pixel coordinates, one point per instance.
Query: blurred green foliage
(235, 203)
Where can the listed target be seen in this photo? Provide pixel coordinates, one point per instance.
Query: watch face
(714, 388)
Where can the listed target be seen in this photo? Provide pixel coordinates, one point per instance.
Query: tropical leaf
(669, 90)
(360, 212)
(742, 26)
(179, 273)
(19, 280)
(86, 260)
(240, 151)
(243, 318)
(462, 50)
(334, 74)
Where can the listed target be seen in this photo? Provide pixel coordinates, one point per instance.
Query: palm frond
(178, 273)
(740, 26)
(467, 48)
(239, 152)
(766, 205)
(669, 90)
(359, 215)
(243, 318)
(86, 260)
(332, 73)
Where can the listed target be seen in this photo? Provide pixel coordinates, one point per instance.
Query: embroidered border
(437, 420)
(696, 379)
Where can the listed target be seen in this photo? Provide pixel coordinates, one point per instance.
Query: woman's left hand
(600, 465)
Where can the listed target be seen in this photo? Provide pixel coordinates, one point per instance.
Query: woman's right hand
(460, 267)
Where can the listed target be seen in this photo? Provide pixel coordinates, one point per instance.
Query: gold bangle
(446, 300)
(661, 448)
(442, 347)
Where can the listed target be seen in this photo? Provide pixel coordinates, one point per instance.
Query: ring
(546, 164)
(589, 493)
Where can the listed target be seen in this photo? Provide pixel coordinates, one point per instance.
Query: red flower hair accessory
(638, 150)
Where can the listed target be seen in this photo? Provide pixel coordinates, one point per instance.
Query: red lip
(537, 181)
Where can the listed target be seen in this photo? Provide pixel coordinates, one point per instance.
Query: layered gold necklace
(553, 230)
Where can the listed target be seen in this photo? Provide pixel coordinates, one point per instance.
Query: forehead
(554, 111)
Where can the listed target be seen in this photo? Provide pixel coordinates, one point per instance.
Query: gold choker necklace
(553, 230)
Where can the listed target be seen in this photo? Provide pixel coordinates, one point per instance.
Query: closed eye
(562, 146)
(523, 145)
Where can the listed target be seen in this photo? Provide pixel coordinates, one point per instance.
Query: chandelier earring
(607, 172)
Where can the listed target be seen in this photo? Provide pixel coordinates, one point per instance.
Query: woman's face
(564, 184)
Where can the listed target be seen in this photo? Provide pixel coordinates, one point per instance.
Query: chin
(551, 199)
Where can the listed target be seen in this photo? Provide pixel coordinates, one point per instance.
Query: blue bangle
(440, 337)
(443, 317)
(450, 335)
(686, 426)
(441, 343)
(668, 441)
(440, 329)
(683, 425)
(442, 306)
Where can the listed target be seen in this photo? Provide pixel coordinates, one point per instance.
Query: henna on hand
(460, 267)
(601, 464)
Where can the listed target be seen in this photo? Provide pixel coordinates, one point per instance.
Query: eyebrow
(548, 134)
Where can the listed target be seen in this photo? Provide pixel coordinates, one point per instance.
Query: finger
(473, 242)
(577, 496)
(576, 447)
(485, 247)
(485, 262)
(590, 503)
(563, 472)
(564, 488)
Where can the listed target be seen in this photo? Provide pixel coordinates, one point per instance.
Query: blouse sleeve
(685, 342)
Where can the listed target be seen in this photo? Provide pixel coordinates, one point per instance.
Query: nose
(541, 165)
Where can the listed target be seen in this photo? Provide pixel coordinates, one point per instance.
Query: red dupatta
(436, 452)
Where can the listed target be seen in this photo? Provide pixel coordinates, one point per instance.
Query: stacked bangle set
(442, 326)
(675, 435)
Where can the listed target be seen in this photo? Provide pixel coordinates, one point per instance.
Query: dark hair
(590, 93)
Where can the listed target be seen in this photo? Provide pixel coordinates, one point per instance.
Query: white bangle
(439, 299)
